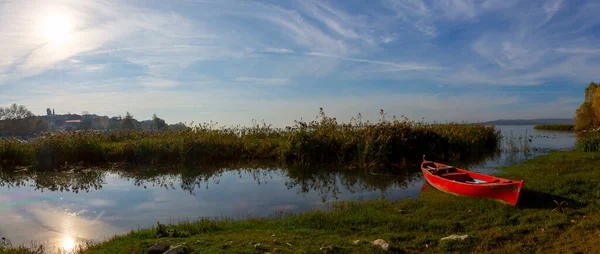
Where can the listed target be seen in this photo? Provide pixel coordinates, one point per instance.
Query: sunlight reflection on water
(67, 243)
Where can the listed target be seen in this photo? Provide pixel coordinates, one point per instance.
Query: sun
(67, 243)
(56, 29)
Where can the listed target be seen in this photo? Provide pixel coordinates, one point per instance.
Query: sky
(278, 61)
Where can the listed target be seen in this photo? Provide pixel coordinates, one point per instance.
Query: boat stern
(519, 189)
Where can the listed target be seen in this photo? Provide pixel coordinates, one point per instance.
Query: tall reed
(589, 142)
(384, 144)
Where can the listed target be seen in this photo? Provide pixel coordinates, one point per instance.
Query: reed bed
(357, 144)
(589, 142)
(555, 127)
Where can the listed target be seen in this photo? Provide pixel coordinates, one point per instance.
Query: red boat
(458, 181)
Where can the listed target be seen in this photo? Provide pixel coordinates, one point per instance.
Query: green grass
(555, 127)
(415, 225)
(385, 144)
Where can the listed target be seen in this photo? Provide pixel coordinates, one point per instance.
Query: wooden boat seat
(442, 170)
(461, 177)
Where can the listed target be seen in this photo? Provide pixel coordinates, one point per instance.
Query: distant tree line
(17, 120)
(587, 116)
(14, 112)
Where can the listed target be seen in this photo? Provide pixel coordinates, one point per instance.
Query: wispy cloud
(152, 82)
(579, 50)
(279, 50)
(507, 52)
(426, 16)
(388, 38)
(395, 66)
(550, 8)
(263, 81)
(335, 20)
(458, 9)
(97, 25)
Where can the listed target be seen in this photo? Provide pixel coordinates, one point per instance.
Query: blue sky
(234, 61)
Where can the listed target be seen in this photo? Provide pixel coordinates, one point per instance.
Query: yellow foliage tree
(596, 108)
(587, 115)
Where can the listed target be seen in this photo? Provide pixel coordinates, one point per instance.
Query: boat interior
(452, 173)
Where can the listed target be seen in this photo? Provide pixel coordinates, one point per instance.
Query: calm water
(60, 209)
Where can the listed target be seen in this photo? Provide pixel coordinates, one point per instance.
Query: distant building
(72, 125)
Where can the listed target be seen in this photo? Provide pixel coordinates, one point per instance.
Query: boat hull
(505, 190)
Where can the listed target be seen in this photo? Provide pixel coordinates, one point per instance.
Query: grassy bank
(415, 225)
(384, 144)
(555, 127)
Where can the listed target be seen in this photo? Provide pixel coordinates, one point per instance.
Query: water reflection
(55, 181)
(65, 208)
(328, 181)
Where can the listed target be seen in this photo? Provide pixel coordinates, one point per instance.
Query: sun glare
(56, 29)
(67, 243)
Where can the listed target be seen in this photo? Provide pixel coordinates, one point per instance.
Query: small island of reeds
(555, 127)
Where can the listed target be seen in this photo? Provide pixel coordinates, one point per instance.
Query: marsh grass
(357, 144)
(589, 142)
(555, 127)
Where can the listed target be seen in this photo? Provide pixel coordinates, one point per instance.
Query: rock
(258, 246)
(356, 242)
(456, 237)
(159, 248)
(382, 243)
(176, 250)
(289, 244)
(273, 235)
(328, 249)
(253, 243)
(275, 250)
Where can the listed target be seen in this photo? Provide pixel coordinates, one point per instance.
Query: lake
(64, 208)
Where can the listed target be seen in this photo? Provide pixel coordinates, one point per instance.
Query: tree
(157, 123)
(14, 112)
(40, 125)
(48, 111)
(86, 122)
(584, 117)
(588, 113)
(114, 123)
(178, 127)
(128, 122)
(53, 112)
